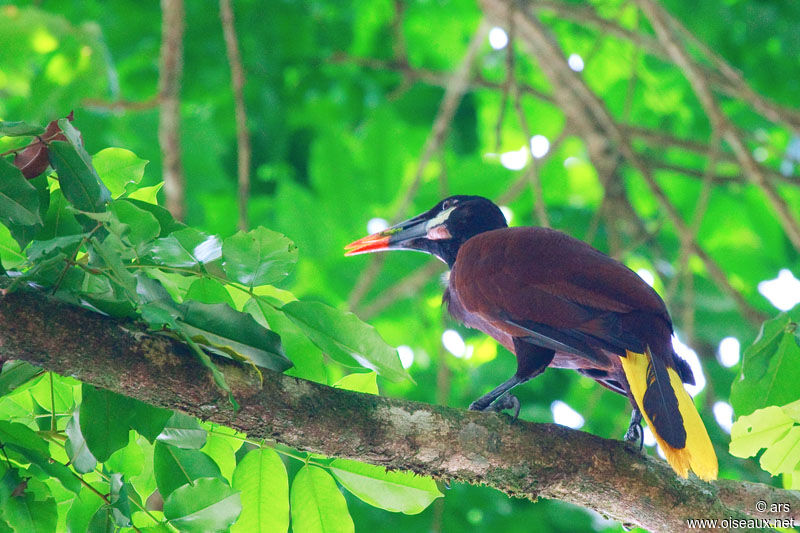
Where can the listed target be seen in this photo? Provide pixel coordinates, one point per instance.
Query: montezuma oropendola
(556, 301)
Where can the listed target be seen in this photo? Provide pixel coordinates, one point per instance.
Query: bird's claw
(635, 434)
(504, 402)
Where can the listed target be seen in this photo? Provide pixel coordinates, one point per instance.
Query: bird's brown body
(509, 281)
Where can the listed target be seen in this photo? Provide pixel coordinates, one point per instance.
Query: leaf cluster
(82, 228)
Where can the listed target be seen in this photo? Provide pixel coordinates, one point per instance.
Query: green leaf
(233, 334)
(16, 373)
(770, 368)
(79, 455)
(134, 225)
(79, 181)
(183, 431)
(104, 419)
(222, 450)
(399, 492)
(129, 460)
(359, 382)
(11, 255)
(118, 168)
(83, 508)
(761, 429)
(120, 504)
(19, 129)
(174, 467)
(307, 360)
(23, 233)
(261, 477)
(317, 504)
(205, 506)
(163, 217)
(59, 220)
(28, 514)
(793, 410)
(346, 338)
(102, 521)
(19, 438)
(146, 194)
(146, 419)
(40, 250)
(783, 456)
(106, 253)
(258, 257)
(209, 291)
(19, 200)
(186, 248)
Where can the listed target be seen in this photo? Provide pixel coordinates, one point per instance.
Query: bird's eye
(448, 204)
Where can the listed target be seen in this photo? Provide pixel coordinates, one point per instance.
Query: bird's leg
(531, 361)
(499, 393)
(635, 433)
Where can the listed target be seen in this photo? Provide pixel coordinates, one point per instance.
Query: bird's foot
(507, 401)
(635, 433)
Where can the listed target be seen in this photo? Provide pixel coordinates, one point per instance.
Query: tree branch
(719, 121)
(605, 139)
(521, 459)
(169, 118)
(243, 149)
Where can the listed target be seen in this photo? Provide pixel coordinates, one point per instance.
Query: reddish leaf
(33, 159)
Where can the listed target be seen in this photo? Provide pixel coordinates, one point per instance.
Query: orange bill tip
(370, 243)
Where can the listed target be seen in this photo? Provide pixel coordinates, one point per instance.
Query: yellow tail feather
(698, 453)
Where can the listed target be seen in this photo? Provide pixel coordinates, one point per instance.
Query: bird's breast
(476, 320)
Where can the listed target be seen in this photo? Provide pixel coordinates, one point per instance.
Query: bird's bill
(398, 236)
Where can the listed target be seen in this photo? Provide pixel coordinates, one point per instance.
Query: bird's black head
(439, 231)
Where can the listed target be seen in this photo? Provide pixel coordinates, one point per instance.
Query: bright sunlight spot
(661, 452)
(539, 146)
(376, 224)
(507, 213)
(728, 353)
(498, 38)
(43, 42)
(783, 292)
(515, 160)
(723, 412)
(208, 250)
(565, 415)
(647, 276)
(575, 62)
(406, 355)
(690, 356)
(453, 343)
(648, 437)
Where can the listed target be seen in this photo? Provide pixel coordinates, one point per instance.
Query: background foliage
(340, 103)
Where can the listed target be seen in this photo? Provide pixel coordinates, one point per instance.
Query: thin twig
(722, 76)
(458, 85)
(122, 105)
(243, 149)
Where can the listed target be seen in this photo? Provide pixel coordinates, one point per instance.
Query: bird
(555, 301)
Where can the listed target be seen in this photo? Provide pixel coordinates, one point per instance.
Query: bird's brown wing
(559, 291)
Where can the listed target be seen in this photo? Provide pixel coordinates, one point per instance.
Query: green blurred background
(341, 97)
